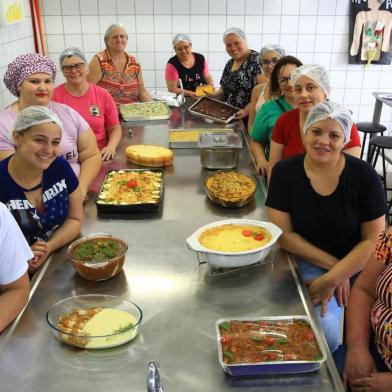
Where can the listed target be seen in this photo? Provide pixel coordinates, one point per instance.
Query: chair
(372, 129)
(377, 147)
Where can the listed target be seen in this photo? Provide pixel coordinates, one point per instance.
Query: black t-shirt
(333, 222)
(191, 77)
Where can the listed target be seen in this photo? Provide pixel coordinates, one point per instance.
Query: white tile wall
(312, 30)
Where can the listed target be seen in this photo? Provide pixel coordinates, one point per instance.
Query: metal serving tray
(130, 208)
(190, 137)
(143, 111)
(205, 105)
(273, 367)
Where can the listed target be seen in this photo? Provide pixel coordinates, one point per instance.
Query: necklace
(34, 188)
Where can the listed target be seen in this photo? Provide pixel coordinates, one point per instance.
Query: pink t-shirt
(171, 72)
(97, 107)
(74, 125)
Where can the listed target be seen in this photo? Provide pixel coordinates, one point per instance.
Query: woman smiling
(92, 102)
(242, 72)
(118, 71)
(330, 220)
(311, 86)
(39, 187)
(190, 67)
(30, 77)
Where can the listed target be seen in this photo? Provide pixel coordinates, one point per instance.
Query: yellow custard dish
(235, 238)
(96, 328)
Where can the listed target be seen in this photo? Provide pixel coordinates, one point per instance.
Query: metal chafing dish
(188, 138)
(214, 110)
(219, 150)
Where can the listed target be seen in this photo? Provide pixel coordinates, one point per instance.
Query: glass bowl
(102, 267)
(115, 321)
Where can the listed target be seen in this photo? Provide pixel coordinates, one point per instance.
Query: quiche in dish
(230, 188)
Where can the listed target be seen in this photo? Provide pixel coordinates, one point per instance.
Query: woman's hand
(242, 113)
(261, 167)
(41, 250)
(321, 290)
(108, 153)
(376, 382)
(359, 365)
(342, 293)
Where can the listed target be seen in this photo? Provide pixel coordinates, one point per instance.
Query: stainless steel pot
(220, 150)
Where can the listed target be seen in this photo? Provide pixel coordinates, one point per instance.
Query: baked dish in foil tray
(131, 191)
(269, 345)
(214, 110)
(145, 111)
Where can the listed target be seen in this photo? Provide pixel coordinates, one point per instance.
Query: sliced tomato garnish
(247, 233)
(259, 236)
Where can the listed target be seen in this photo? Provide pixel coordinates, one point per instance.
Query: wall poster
(370, 32)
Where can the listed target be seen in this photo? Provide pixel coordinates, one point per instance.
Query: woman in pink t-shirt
(92, 102)
(30, 78)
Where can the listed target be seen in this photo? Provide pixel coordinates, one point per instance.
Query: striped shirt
(381, 314)
(122, 86)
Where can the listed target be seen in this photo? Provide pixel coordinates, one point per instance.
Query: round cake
(149, 155)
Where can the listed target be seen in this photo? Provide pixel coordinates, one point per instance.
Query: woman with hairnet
(311, 86)
(242, 72)
(331, 207)
(280, 86)
(190, 67)
(118, 71)
(30, 77)
(92, 102)
(268, 57)
(39, 187)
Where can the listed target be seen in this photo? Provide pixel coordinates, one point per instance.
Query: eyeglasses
(70, 68)
(284, 81)
(268, 62)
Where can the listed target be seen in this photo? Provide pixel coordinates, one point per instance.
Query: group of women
(330, 204)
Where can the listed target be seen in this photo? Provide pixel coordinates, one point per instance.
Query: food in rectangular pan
(263, 341)
(145, 109)
(131, 187)
(212, 108)
(192, 135)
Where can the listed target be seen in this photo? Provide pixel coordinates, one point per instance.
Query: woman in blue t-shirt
(39, 187)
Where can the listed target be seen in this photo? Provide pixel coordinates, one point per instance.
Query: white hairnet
(34, 115)
(181, 37)
(268, 48)
(315, 72)
(70, 52)
(234, 30)
(329, 109)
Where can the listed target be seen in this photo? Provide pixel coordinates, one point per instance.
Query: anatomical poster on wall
(370, 32)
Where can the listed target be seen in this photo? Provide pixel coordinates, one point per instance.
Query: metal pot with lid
(219, 150)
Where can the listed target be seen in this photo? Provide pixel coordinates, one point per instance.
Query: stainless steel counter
(179, 299)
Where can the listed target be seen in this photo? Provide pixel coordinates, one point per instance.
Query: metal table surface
(179, 298)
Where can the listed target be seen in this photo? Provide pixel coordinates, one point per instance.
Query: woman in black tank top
(191, 68)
